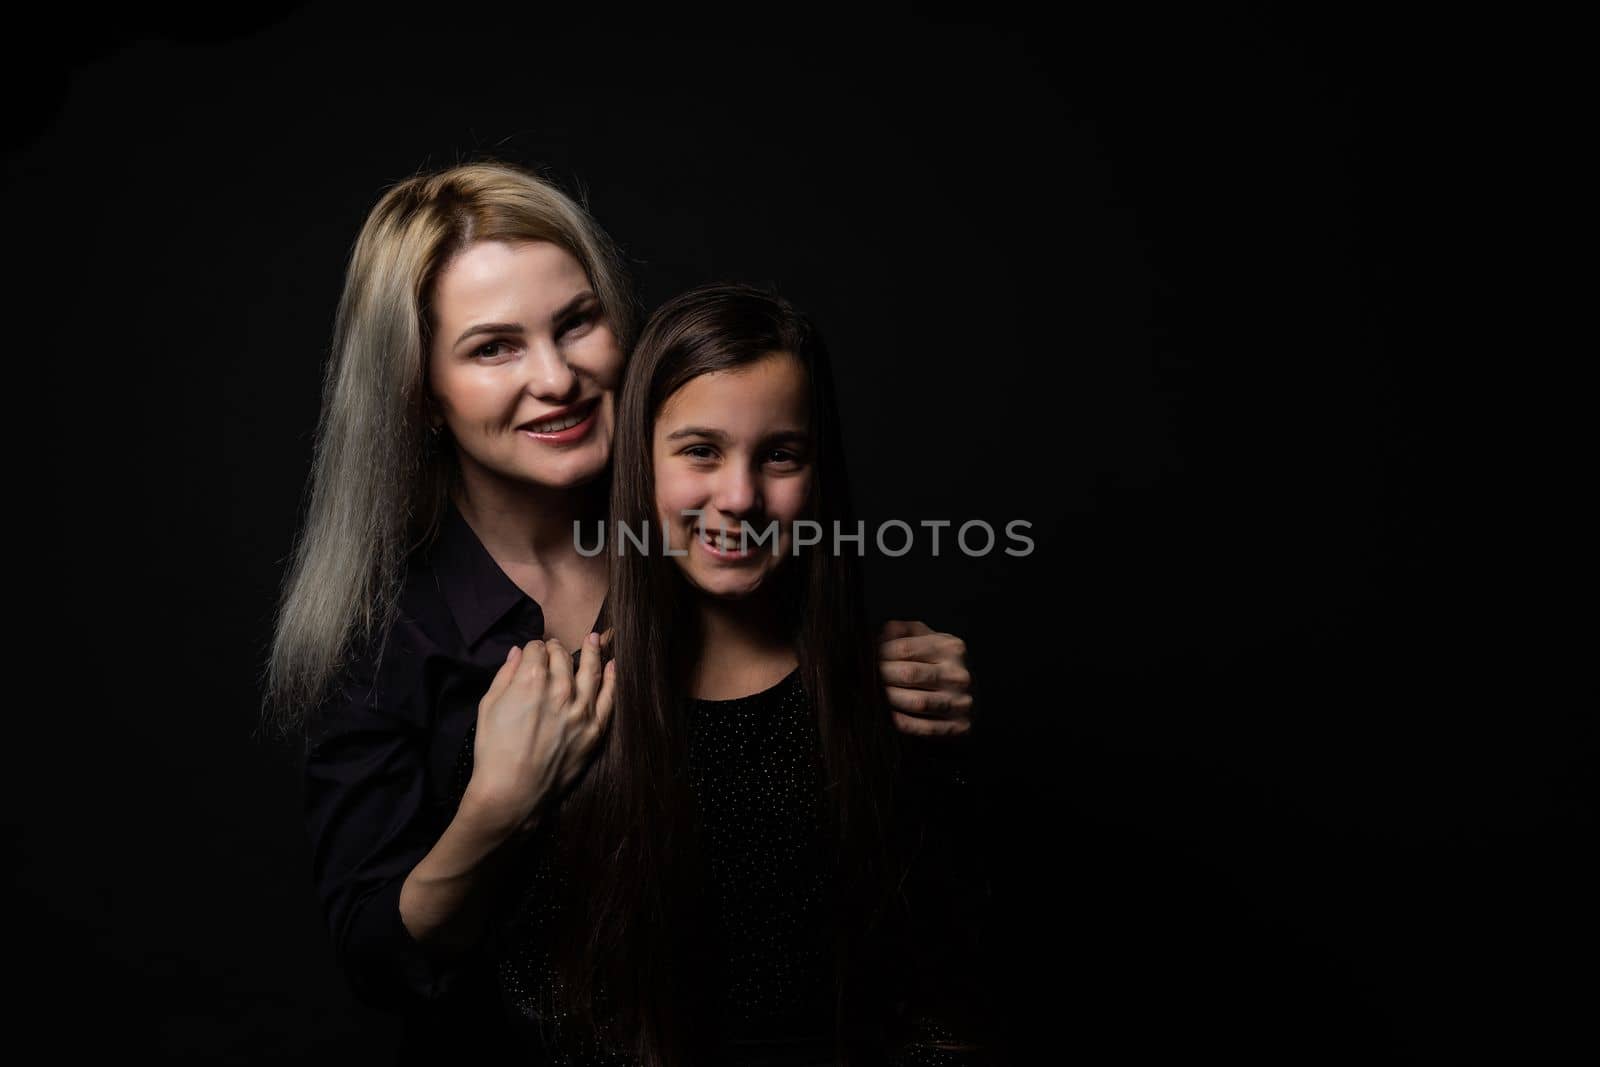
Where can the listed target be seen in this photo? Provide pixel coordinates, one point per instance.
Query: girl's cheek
(672, 492)
(794, 498)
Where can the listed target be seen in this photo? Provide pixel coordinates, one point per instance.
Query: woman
(466, 425)
(739, 841)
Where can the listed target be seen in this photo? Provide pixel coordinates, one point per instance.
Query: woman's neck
(524, 525)
(528, 532)
(745, 647)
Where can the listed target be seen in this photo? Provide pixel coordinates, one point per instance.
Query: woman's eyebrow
(516, 327)
(491, 327)
(572, 305)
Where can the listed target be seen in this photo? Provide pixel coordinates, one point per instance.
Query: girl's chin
(725, 587)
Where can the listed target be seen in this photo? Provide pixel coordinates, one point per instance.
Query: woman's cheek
(604, 357)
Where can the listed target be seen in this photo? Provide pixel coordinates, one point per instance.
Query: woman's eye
(577, 322)
(488, 351)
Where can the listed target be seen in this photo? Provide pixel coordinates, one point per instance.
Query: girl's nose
(736, 493)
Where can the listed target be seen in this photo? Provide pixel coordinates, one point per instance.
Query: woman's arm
(371, 822)
(444, 901)
(946, 1016)
(406, 889)
(926, 679)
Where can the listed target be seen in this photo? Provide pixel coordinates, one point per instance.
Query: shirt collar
(477, 591)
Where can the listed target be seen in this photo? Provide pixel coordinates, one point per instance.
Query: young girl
(746, 837)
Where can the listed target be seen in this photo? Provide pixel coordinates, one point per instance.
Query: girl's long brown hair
(627, 827)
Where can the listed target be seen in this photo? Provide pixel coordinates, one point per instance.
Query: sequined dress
(756, 773)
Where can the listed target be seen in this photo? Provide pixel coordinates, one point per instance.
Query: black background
(1270, 773)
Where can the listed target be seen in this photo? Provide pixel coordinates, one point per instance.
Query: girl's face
(735, 446)
(523, 365)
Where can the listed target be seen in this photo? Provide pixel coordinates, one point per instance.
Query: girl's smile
(726, 546)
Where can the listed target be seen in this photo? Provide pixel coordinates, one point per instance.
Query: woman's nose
(550, 376)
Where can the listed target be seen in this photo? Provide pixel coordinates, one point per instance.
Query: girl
(466, 423)
(741, 840)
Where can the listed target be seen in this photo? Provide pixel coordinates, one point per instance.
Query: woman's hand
(926, 678)
(537, 728)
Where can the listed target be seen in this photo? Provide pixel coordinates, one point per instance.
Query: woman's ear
(431, 413)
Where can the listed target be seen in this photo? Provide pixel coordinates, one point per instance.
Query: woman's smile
(567, 426)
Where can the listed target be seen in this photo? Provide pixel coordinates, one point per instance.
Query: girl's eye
(782, 456)
(699, 452)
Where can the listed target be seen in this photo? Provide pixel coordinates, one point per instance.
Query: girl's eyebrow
(697, 431)
(787, 435)
(718, 435)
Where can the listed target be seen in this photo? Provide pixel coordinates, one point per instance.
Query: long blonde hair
(380, 480)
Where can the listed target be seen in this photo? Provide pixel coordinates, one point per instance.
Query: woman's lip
(733, 555)
(571, 433)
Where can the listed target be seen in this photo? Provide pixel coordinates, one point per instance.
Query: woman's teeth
(565, 422)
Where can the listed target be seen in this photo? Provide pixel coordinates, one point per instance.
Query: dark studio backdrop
(1148, 282)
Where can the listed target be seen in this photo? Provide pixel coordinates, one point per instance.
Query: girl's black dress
(755, 769)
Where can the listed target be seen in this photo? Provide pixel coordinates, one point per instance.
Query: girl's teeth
(719, 541)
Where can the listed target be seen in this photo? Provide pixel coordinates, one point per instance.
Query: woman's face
(523, 365)
(735, 446)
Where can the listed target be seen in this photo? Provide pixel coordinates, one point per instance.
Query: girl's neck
(744, 647)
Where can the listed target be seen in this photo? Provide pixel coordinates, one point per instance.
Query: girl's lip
(571, 433)
(732, 555)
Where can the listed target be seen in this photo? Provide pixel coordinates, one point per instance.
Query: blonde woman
(467, 419)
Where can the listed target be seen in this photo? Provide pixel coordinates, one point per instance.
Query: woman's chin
(577, 471)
